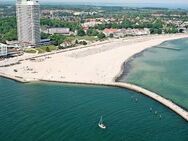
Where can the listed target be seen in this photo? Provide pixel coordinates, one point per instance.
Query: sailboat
(101, 124)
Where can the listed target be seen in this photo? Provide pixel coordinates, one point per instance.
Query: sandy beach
(97, 64)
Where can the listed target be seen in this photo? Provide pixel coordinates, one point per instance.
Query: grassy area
(49, 48)
(30, 50)
(87, 38)
(42, 49)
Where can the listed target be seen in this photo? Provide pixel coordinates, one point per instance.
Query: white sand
(97, 64)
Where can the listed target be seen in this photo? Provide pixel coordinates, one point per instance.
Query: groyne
(174, 107)
(168, 103)
(169, 48)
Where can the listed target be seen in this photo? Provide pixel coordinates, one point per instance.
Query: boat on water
(101, 124)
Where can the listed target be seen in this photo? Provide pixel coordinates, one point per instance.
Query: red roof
(85, 28)
(111, 30)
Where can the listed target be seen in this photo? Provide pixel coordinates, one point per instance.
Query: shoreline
(110, 80)
(125, 68)
(179, 110)
(14, 78)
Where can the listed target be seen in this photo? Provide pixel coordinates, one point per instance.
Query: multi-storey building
(28, 22)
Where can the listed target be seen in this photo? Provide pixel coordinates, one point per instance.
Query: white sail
(101, 125)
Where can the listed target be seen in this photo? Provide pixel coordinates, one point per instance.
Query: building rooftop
(28, 2)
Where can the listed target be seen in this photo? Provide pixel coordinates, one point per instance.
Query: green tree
(44, 35)
(155, 31)
(60, 23)
(76, 42)
(92, 32)
(157, 24)
(83, 42)
(10, 35)
(8, 29)
(111, 35)
(101, 36)
(48, 49)
(57, 39)
(126, 24)
(100, 27)
(81, 32)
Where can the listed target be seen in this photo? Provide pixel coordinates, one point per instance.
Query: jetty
(174, 107)
(169, 48)
(166, 102)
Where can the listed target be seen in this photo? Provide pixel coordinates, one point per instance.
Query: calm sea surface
(57, 112)
(163, 71)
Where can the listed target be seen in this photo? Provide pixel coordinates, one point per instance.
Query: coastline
(111, 80)
(17, 79)
(125, 68)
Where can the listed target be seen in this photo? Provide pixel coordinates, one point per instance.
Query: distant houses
(92, 23)
(63, 31)
(110, 31)
(67, 44)
(120, 33)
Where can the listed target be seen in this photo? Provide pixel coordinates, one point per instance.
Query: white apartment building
(28, 22)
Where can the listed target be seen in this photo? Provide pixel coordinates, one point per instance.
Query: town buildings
(120, 33)
(63, 31)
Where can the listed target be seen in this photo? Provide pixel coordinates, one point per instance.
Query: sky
(129, 3)
(119, 1)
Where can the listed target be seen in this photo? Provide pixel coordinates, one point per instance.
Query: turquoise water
(56, 112)
(163, 71)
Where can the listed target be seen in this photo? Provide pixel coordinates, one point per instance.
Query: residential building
(3, 50)
(64, 31)
(110, 31)
(91, 24)
(120, 33)
(28, 22)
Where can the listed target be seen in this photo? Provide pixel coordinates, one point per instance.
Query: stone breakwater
(177, 109)
(174, 107)
(169, 104)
